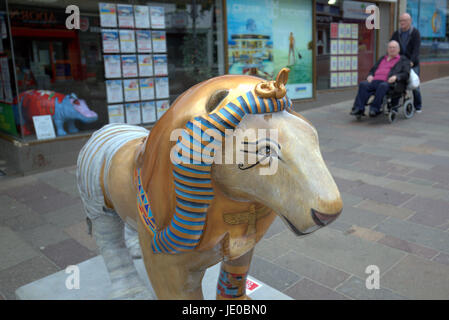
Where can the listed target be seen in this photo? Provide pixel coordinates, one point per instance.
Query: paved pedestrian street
(394, 180)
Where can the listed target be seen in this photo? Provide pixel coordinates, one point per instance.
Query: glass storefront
(431, 17)
(126, 63)
(345, 48)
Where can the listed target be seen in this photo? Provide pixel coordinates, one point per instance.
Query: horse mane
(184, 191)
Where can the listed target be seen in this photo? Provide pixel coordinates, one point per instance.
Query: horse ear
(215, 99)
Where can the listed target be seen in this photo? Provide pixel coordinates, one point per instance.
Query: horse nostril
(323, 219)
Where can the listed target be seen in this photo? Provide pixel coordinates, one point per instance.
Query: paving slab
(385, 209)
(10, 208)
(79, 232)
(356, 288)
(426, 236)
(323, 274)
(44, 235)
(13, 249)
(272, 274)
(23, 273)
(344, 252)
(418, 278)
(442, 258)
(307, 289)
(95, 284)
(360, 217)
(407, 246)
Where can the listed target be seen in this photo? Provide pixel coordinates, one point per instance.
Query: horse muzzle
(320, 219)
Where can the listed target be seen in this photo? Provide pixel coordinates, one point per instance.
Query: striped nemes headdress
(192, 173)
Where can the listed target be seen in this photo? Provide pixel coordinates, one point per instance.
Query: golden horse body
(243, 205)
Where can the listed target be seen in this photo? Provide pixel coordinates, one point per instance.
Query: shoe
(357, 112)
(418, 110)
(373, 113)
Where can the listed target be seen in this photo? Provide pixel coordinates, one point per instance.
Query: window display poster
(432, 18)
(354, 79)
(143, 40)
(341, 47)
(355, 47)
(162, 90)
(334, 79)
(146, 89)
(348, 46)
(157, 15)
(125, 15)
(159, 44)
(112, 66)
(292, 32)
(131, 89)
(341, 79)
(334, 63)
(110, 41)
(334, 30)
(334, 46)
(148, 111)
(160, 64)
(161, 107)
(348, 30)
(129, 65)
(108, 15)
(341, 63)
(133, 113)
(354, 63)
(127, 41)
(341, 30)
(116, 114)
(347, 78)
(145, 65)
(354, 31)
(348, 63)
(241, 21)
(142, 17)
(114, 91)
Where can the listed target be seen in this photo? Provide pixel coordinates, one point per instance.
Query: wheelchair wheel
(408, 109)
(392, 116)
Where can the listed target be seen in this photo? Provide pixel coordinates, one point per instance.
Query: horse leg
(232, 279)
(108, 230)
(132, 242)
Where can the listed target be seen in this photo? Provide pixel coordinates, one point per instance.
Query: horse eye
(267, 151)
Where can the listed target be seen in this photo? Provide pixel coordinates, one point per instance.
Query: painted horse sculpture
(186, 198)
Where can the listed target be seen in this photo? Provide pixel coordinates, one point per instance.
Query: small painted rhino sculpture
(63, 108)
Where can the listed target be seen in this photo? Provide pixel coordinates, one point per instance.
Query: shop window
(127, 63)
(431, 19)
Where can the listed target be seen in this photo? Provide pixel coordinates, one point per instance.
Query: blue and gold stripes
(193, 155)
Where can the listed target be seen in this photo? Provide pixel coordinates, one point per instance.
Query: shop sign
(29, 17)
(355, 10)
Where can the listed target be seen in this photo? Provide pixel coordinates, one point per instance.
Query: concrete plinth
(95, 284)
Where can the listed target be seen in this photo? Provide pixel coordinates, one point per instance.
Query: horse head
(238, 142)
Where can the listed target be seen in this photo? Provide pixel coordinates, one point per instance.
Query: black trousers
(377, 87)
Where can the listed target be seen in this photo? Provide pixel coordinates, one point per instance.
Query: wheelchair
(397, 100)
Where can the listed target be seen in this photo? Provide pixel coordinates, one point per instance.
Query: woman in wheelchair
(390, 72)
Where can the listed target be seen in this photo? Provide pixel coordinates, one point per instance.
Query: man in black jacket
(388, 70)
(410, 42)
